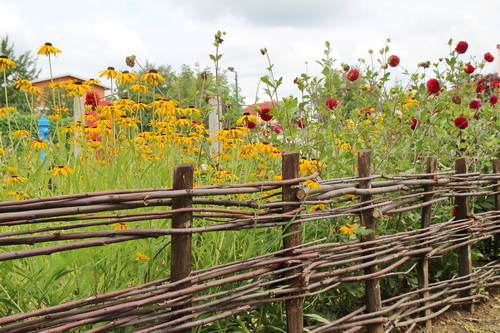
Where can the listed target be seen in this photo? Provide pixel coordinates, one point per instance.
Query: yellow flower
(138, 88)
(312, 184)
(247, 151)
(6, 63)
(40, 144)
(19, 195)
(317, 207)
(110, 73)
(60, 109)
(350, 196)
(63, 170)
(152, 77)
(347, 229)
(126, 77)
(77, 88)
(141, 256)
(54, 117)
(247, 118)
(21, 134)
(12, 170)
(94, 143)
(22, 84)
(183, 121)
(47, 49)
(120, 226)
(15, 179)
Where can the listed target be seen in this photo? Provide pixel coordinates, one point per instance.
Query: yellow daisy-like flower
(139, 106)
(225, 174)
(126, 77)
(91, 82)
(94, 143)
(312, 184)
(6, 63)
(347, 229)
(120, 226)
(350, 196)
(164, 106)
(183, 121)
(247, 118)
(318, 207)
(60, 109)
(15, 179)
(247, 151)
(12, 170)
(54, 117)
(125, 121)
(141, 256)
(21, 134)
(77, 88)
(191, 110)
(19, 195)
(40, 144)
(265, 148)
(139, 88)
(110, 73)
(152, 77)
(64, 170)
(47, 49)
(22, 84)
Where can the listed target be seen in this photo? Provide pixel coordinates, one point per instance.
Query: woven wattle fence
(301, 270)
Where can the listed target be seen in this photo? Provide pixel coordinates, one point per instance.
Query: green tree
(25, 69)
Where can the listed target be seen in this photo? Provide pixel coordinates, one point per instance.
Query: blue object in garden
(43, 130)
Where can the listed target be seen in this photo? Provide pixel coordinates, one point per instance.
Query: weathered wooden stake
(423, 264)
(293, 232)
(496, 241)
(464, 252)
(372, 286)
(180, 266)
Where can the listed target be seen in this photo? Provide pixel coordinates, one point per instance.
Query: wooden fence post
(372, 286)
(180, 266)
(464, 252)
(423, 263)
(293, 232)
(496, 241)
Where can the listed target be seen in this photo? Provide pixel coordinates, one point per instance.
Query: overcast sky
(95, 34)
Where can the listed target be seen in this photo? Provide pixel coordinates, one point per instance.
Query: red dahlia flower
(461, 47)
(414, 123)
(251, 125)
(495, 84)
(331, 103)
(470, 69)
(493, 100)
(480, 88)
(277, 129)
(488, 57)
(461, 122)
(394, 61)
(353, 75)
(433, 86)
(264, 114)
(92, 99)
(475, 104)
(301, 123)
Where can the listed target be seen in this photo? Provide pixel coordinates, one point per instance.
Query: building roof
(77, 77)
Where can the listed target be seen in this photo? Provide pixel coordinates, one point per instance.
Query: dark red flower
(433, 86)
(456, 99)
(461, 122)
(264, 114)
(92, 99)
(251, 125)
(461, 47)
(414, 123)
(331, 103)
(301, 123)
(488, 57)
(353, 75)
(495, 84)
(493, 100)
(277, 129)
(394, 61)
(475, 104)
(480, 88)
(470, 69)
